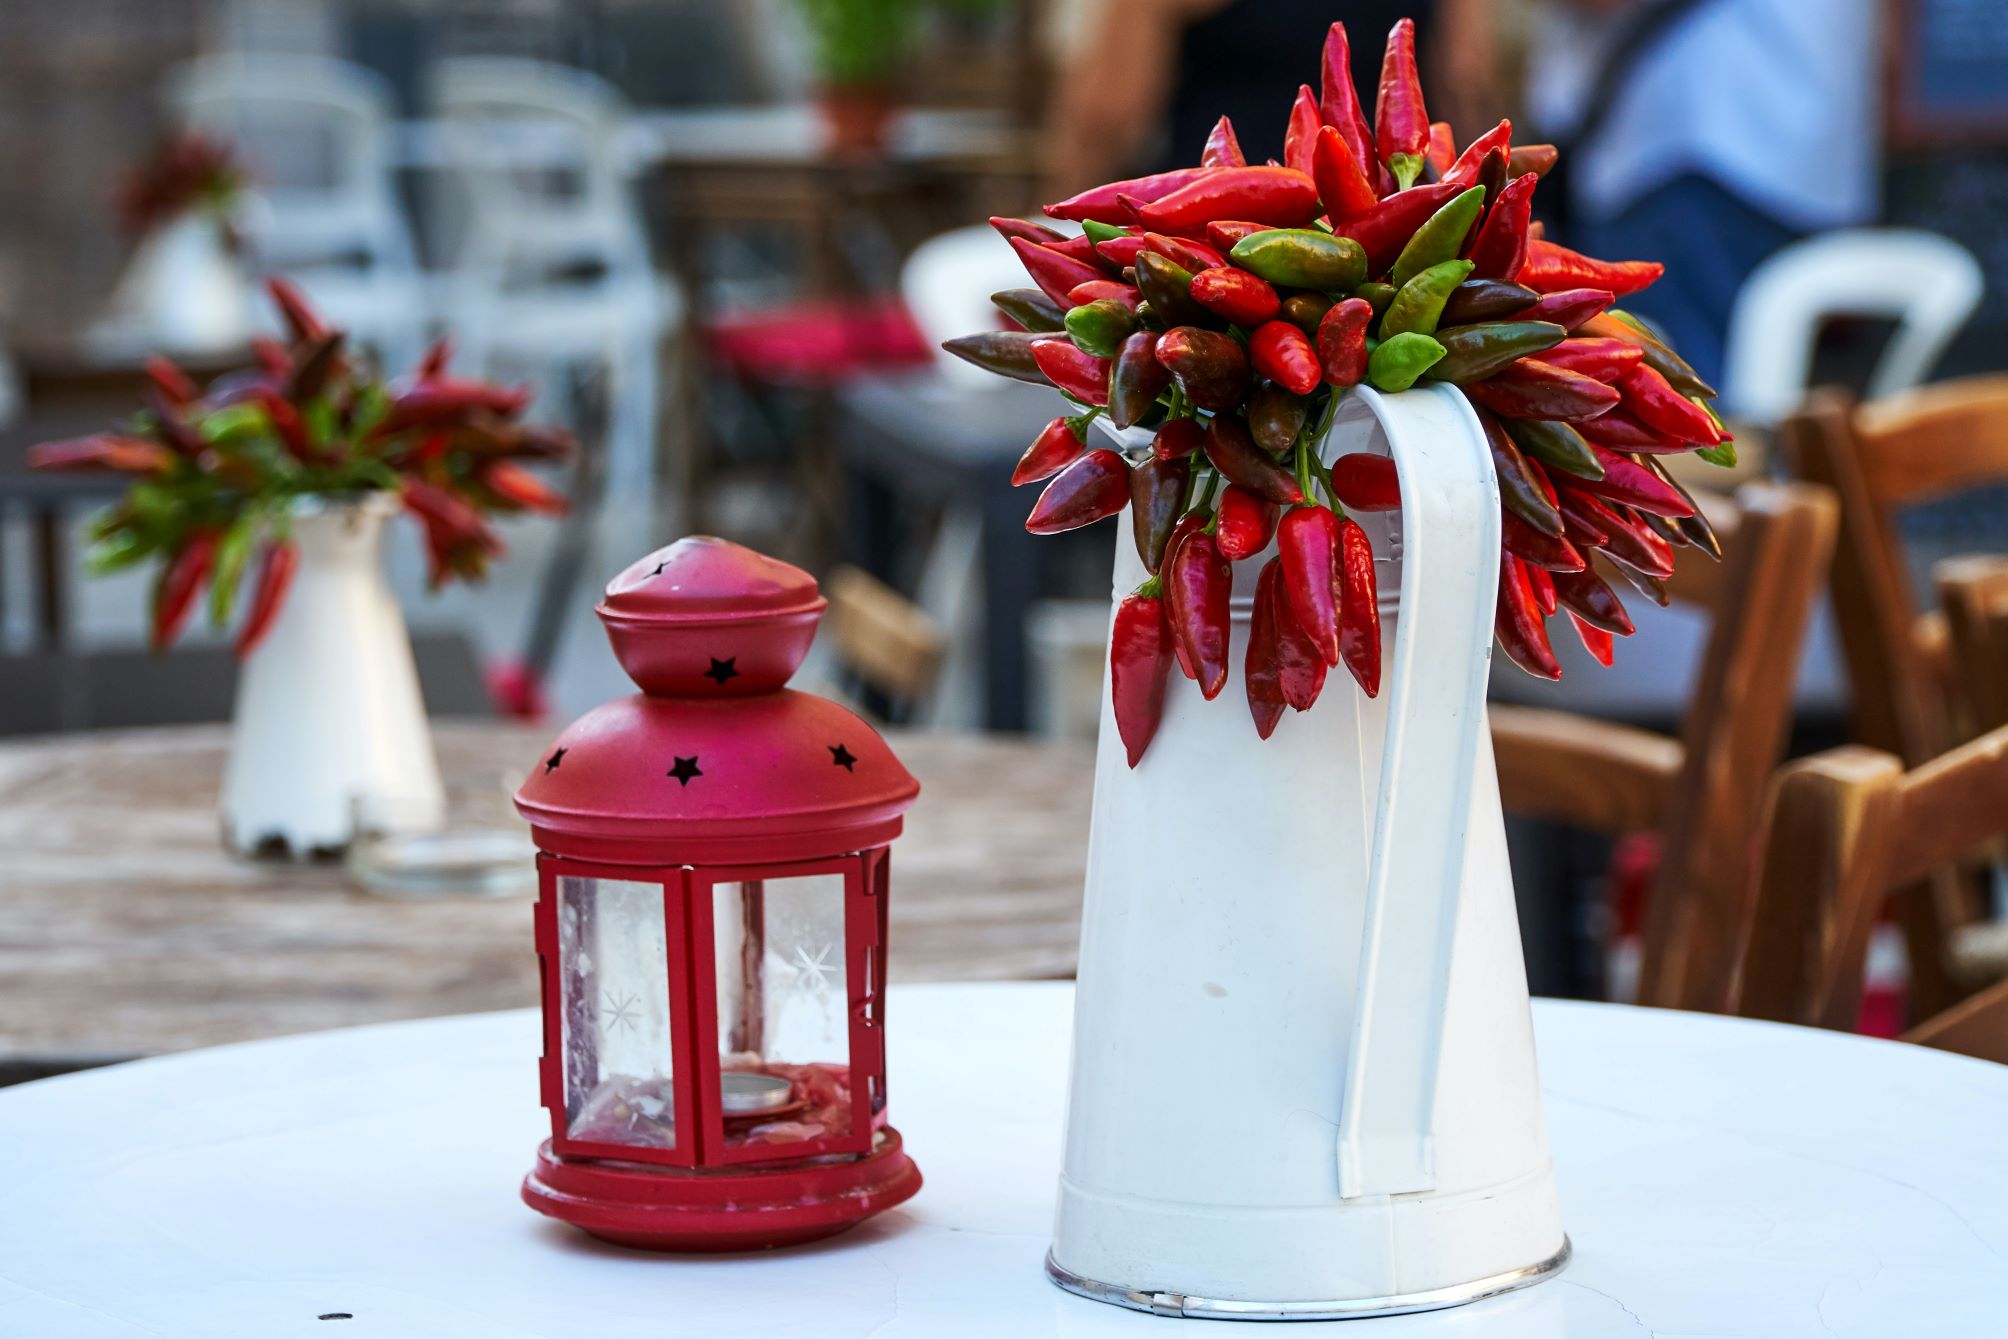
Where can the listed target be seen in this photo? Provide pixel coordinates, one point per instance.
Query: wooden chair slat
(1976, 1026)
(1578, 770)
(1935, 440)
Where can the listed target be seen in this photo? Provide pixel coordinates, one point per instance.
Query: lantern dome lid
(715, 761)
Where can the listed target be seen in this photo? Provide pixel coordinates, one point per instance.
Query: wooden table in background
(125, 928)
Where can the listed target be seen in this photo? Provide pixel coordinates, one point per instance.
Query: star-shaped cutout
(685, 770)
(551, 763)
(722, 671)
(843, 757)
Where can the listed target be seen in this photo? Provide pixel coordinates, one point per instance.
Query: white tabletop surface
(1719, 1177)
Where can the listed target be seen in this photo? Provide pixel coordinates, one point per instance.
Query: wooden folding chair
(1877, 457)
(1701, 791)
(1844, 829)
(888, 648)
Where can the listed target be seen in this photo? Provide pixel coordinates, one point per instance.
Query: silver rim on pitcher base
(1208, 1308)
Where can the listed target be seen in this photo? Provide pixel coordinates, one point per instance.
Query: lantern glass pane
(613, 953)
(784, 1038)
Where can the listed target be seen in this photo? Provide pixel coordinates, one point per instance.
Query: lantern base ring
(740, 1208)
(1353, 1308)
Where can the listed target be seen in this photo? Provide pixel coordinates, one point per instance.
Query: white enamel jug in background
(328, 707)
(1303, 1073)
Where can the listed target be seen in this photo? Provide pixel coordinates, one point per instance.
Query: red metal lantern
(711, 924)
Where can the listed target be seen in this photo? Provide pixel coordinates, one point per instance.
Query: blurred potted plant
(859, 47)
(277, 480)
(184, 288)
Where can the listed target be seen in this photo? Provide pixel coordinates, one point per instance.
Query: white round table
(1719, 1177)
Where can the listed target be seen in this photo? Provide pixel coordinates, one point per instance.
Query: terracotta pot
(856, 117)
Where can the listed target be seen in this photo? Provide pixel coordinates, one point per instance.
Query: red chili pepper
(102, 451)
(1550, 268)
(1222, 149)
(1342, 184)
(1055, 274)
(1307, 540)
(1385, 229)
(1079, 374)
(299, 315)
(1096, 289)
(1464, 172)
(1500, 249)
(1237, 295)
(1232, 449)
(1262, 669)
(1530, 546)
(1603, 359)
(1339, 104)
(1544, 588)
(1596, 641)
(1300, 135)
(1442, 151)
(1624, 538)
(526, 490)
(1621, 432)
(440, 401)
(1587, 597)
(1568, 308)
(1653, 400)
(1276, 195)
(1210, 367)
(1627, 481)
(1036, 233)
(1247, 523)
(1283, 353)
(1157, 492)
(1136, 380)
(180, 581)
(1103, 204)
(1184, 253)
(1366, 482)
(1092, 488)
(1401, 125)
(272, 357)
(1342, 342)
(1522, 632)
(1198, 586)
(172, 383)
(1177, 438)
(1140, 659)
(1082, 248)
(286, 421)
(275, 576)
(436, 358)
(1121, 251)
(1359, 617)
(1529, 388)
(1539, 159)
(1224, 233)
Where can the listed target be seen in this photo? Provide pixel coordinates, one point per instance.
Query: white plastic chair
(316, 134)
(553, 270)
(1928, 283)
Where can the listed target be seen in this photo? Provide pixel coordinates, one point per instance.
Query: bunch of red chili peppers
(1228, 306)
(216, 472)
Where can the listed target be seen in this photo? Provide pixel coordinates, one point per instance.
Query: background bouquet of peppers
(1229, 306)
(186, 171)
(216, 473)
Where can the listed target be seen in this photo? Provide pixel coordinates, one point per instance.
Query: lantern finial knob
(705, 617)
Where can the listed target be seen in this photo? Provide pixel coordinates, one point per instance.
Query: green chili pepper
(1101, 232)
(1101, 326)
(1475, 352)
(1031, 309)
(1400, 359)
(233, 551)
(1378, 295)
(1418, 304)
(1441, 237)
(1302, 258)
(1553, 442)
(1305, 310)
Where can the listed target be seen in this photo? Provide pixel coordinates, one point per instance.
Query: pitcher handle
(1450, 531)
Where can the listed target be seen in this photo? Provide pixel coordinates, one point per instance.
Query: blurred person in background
(1705, 134)
(1141, 82)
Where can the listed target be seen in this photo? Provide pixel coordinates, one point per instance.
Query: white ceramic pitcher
(328, 707)
(1303, 1073)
